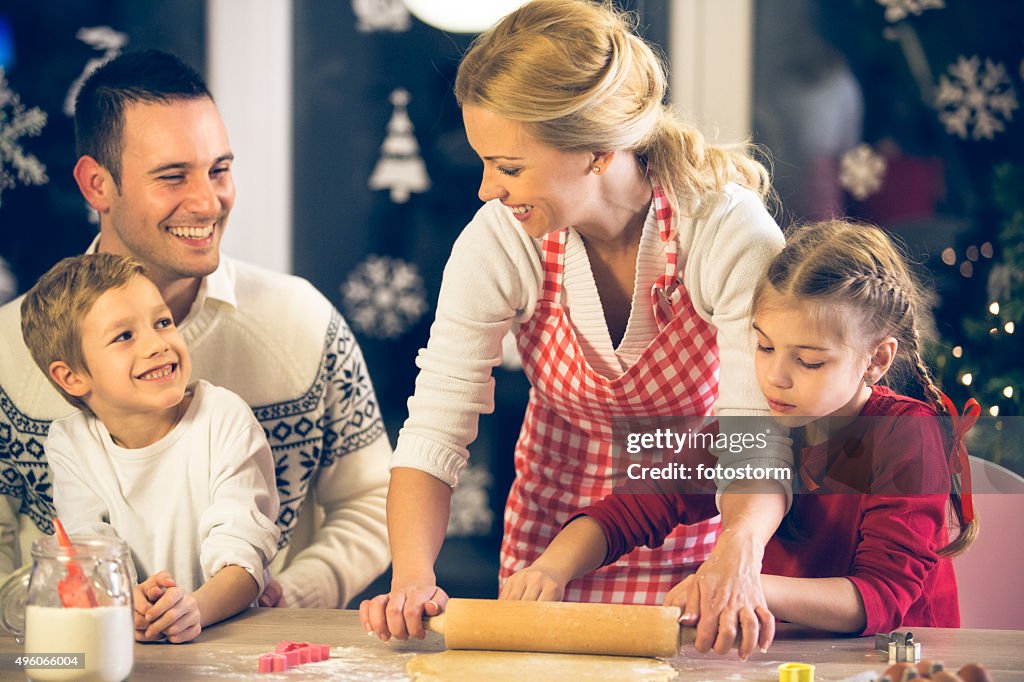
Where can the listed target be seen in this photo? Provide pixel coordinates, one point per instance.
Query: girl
(865, 549)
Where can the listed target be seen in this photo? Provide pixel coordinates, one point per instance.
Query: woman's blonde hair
(843, 266)
(575, 73)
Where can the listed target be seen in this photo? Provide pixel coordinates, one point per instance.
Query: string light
(993, 307)
(972, 253)
(967, 269)
(1009, 327)
(966, 379)
(958, 351)
(986, 249)
(994, 410)
(949, 256)
(1008, 391)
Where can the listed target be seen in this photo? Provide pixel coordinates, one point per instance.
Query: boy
(182, 472)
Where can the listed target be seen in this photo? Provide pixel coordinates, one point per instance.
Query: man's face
(176, 189)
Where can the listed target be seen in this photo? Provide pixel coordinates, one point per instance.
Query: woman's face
(543, 188)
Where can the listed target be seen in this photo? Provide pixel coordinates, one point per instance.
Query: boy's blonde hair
(52, 310)
(579, 78)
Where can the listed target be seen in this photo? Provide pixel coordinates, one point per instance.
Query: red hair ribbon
(958, 462)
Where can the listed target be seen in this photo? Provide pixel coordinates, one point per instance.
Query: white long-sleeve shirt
(201, 498)
(492, 282)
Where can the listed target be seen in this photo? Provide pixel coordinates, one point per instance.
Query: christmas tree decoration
(861, 171)
(471, 512)
(897, 10)
(975, 101)
(383, 297)
(101, 38)
(16, 122)
(381, 15)
(400, 168)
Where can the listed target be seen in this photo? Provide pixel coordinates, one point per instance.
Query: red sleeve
(630, 519)
(900, 534)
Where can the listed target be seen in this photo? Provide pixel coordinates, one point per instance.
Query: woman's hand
(534, 583)
(400, 613)
(725, 599)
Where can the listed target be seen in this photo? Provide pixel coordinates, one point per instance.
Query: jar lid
(91, 546)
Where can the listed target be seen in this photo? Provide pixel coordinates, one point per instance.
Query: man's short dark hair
(150, 76)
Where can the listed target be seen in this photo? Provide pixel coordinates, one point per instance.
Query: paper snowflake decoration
(897, 10)
(975, 101)
(471, 506)
(16, 122)
(861, 171)
(381, 15)
(383, 297)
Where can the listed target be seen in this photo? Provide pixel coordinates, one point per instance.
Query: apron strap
(552, 248)
(667, 290)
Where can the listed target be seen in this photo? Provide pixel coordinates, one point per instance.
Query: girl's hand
(534, 583)
(400, 613)
(725, 599)
(175, 615)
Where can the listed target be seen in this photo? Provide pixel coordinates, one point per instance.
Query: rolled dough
(501, 666)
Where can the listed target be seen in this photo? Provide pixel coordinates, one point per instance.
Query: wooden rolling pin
(561, 627)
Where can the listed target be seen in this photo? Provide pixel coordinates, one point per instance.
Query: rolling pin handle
(434, 623)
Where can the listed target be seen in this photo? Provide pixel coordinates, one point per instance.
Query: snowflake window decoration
(975, 101)
(897, 10)
(384, 297)
(16, 122)
(861, 171)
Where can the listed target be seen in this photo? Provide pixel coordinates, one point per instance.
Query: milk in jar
(104, 634)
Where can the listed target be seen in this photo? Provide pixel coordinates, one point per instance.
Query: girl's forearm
(831, 604)
(578, 549)
(225, 594)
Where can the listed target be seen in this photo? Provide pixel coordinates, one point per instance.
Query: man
(155, 163)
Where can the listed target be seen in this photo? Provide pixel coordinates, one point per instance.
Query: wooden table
(228, 652)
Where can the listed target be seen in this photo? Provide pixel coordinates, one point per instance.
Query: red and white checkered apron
(564, 455)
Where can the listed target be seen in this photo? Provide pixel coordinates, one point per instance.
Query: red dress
(564, 457)
(872, 509)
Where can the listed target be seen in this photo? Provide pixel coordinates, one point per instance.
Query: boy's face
(137, 361)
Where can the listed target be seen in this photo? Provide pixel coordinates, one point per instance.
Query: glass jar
(102, 636)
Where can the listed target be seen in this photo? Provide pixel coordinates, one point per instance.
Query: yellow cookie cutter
(796, 672)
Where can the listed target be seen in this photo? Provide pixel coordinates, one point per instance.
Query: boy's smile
(137, 364)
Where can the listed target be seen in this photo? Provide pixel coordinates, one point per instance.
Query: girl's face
(805, 371)
(545, 189)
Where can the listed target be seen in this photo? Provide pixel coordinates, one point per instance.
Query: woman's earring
(596, 170)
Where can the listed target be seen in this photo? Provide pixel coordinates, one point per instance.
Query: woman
(622, 251)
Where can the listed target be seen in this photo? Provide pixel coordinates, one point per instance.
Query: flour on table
(502, 666)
